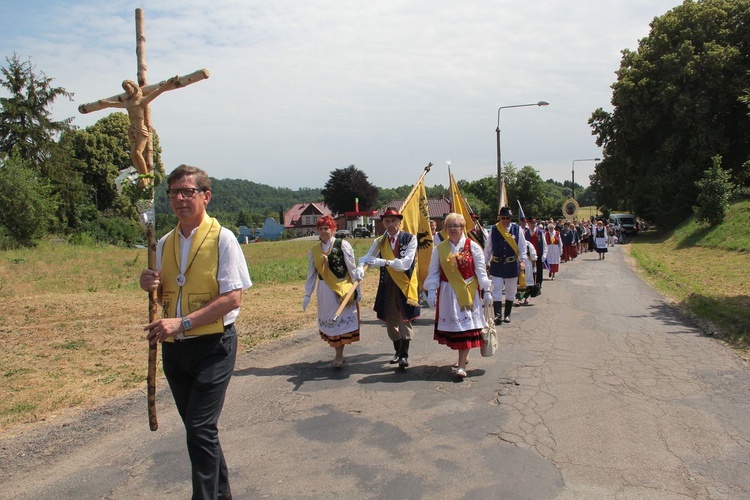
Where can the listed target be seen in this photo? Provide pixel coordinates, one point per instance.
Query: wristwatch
(186, 324)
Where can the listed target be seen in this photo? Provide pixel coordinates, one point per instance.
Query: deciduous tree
(346, 184)
(100, 152)
(676, 105)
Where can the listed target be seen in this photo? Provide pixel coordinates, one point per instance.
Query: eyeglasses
(454, 226)
(186, 193)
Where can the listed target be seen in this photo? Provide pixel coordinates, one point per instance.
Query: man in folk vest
(397, 300)
(199, 278)
(502, 252)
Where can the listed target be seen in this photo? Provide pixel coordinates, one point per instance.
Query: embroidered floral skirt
(345, 329)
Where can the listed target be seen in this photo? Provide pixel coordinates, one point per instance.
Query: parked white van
(626, 222)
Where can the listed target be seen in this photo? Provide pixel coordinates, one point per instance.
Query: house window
(308, 220)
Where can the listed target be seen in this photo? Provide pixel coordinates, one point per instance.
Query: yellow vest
(200, 285)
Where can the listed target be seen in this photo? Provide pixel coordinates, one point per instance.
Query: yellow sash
(340, 288)
(521, 279)
(508, 237)
(408, 286)
(465, 292)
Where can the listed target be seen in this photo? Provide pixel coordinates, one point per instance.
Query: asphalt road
(599, 390)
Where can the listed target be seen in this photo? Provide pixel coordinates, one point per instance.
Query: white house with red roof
(302, 217)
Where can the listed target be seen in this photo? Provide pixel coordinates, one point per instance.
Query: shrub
(114, 231)
(714, 194)
(27, 206)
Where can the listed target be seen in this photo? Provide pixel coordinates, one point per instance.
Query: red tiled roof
(292, 217)
(438, 208)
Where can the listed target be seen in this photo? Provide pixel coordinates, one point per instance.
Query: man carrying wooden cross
(199, 277)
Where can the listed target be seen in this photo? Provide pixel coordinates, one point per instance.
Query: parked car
(361, 232)
(343, 233)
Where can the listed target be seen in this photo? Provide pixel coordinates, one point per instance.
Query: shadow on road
(375, 369)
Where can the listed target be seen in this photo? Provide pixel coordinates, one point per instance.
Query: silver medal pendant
(180, 279)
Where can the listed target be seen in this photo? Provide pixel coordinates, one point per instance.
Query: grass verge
(705, 271)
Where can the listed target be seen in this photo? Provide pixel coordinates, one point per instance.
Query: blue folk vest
(504, 261)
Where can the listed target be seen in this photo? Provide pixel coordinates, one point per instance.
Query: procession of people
(473, 281)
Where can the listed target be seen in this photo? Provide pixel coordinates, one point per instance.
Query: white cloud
(300, 88)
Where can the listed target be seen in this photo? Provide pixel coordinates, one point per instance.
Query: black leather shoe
(498, 320)
(394, 360)
(403, 363)
(506, 319)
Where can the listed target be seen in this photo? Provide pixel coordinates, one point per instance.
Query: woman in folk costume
(456, 276)
(396, 301)
(601, 237)
(554, 250)
(332, 267)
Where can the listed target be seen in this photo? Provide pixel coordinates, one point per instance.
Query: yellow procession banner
(416, 221)
(460, 206)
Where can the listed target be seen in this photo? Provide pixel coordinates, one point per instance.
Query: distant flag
(521, 215)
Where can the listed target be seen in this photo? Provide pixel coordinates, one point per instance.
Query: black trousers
(198, 372)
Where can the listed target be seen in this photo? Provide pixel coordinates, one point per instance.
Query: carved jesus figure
(139, 112)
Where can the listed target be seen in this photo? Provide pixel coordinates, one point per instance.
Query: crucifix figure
(137, 106)
(136, 101)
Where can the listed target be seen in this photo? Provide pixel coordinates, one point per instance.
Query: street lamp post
(497, 134)
(573, 174)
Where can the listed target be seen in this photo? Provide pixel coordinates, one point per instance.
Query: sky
(300, 88)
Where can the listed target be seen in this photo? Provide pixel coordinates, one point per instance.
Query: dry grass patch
(71, 321)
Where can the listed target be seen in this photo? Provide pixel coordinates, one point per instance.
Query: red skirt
(459, 340)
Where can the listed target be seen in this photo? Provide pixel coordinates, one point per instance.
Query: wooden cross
(136, 100)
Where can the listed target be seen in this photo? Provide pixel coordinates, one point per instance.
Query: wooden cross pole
(136, 100)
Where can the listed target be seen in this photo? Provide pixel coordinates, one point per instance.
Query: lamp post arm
(497, 136)
(573, 174)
